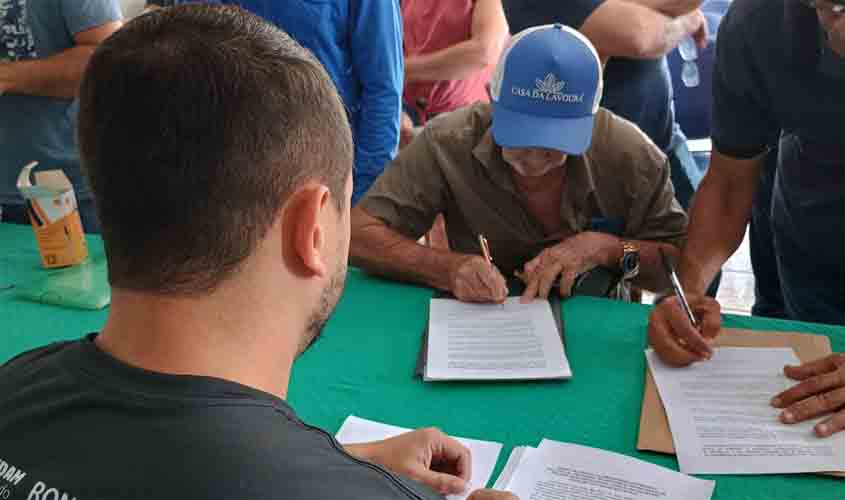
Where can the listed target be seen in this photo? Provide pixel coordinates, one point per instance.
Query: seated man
(522, 172)
(220, 158)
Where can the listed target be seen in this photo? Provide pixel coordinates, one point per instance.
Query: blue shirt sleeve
(744, 124)
(377, 60)
(82, 15)
(524, 14)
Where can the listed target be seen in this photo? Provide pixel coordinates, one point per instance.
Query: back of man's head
(196, 124)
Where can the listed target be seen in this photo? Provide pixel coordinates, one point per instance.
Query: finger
(709, 315)
(530, 292)
(458, 456)
(680, 327)
(810, 387)
(442, 482)
(814, 406)
(548, 277)
(831, 425)
(495, 283)
(492, 495)
(566, 283)
(666, 345)
(814, 368)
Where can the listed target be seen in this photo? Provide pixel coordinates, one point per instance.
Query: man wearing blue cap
(557, 185)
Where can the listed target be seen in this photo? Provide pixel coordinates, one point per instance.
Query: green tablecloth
(364, 364)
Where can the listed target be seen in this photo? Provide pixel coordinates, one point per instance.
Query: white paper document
(484, 453)
(510, 341)
(561, 471)
(722, 421)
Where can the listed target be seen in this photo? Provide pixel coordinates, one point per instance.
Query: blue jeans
(16, 214)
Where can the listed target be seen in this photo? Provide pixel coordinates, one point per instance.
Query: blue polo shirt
(359, 42)
(639, 90)
(777, 82)
(35, 128)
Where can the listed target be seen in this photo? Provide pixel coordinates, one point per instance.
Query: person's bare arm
(460, 61)
(619, 28)
(718, 219)
(672, 8)
(380, 250)
(59, 75)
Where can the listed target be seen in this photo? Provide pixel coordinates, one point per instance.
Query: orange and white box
(54, 214)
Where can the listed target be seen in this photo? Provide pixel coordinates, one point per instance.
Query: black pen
(676, 285)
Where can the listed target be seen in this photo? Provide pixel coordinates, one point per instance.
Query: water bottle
(689, 54)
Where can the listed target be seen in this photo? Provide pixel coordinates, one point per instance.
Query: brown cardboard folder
(654, 425)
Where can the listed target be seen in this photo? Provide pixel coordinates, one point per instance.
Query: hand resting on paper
(821, 391)
(426, 455)
(674, 338)
(492, 495)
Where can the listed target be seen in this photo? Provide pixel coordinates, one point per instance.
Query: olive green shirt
(620, 186)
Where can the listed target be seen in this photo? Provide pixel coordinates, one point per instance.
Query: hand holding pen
(475, 278)
(682, 327)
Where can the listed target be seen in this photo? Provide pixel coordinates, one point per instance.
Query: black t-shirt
(639, 90)
(76, 420)
(773, 74)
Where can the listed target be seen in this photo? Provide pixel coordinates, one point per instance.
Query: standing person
(187, 379)
(359, 42)
(451, 49)
(779, 75)
(44, 48)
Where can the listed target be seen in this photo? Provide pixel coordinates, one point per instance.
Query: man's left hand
(425, 455)
(567, 259)
(821, 392)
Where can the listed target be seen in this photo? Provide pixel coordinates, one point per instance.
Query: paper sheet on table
(484, 453)
(512, 341)
(518, 455)
(561, 471)
(722, 421)
(655, 434)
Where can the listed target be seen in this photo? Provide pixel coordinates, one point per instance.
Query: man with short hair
(44, 47)
(220, 157)
(359, 42)
(555, 184)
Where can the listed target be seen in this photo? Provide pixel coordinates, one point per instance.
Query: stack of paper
(484, 453)
(556, 471)
(510, 341)
(722, 421)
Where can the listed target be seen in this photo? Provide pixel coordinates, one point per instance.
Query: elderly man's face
(533, 162)
(832, 18)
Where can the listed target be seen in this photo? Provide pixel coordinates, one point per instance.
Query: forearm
(56, 76)
(457, 62)
(718, 220)
(382, 251)
(671, 8)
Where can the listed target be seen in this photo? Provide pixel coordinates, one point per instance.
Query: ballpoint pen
(676, 285)
(485, 248)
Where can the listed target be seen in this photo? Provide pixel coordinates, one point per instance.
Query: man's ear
(304, 233)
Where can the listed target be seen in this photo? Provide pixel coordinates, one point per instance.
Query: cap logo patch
(549, 89)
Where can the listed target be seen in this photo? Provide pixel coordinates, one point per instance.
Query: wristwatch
(629, 264)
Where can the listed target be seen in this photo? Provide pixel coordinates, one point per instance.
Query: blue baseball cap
(546, 90)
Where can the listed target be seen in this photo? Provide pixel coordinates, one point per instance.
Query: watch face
(630, 263)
